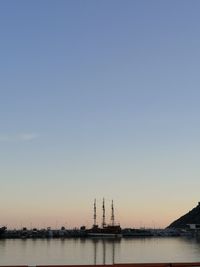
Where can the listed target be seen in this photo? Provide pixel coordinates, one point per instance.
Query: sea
(98, 251)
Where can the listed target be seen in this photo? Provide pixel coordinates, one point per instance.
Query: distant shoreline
(83, 233)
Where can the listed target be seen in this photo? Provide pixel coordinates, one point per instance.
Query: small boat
(129, 232)
(2, 230)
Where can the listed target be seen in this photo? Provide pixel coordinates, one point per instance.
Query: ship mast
(112, 214)
(104, 220)
(95, 213)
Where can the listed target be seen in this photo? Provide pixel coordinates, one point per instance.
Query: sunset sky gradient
(99, 99)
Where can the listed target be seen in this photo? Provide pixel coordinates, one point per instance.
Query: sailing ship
(107, 230)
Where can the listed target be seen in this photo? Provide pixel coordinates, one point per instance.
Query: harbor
(82, 232)
(111, 230)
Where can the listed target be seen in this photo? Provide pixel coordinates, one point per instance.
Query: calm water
(98, 251)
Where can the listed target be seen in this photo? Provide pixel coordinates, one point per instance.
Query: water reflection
(100, 249)
(95, 251)
(113, 253)
(104, 252)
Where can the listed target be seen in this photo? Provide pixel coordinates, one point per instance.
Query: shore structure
(106, 230)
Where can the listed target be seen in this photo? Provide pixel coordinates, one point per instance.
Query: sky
(99, 99)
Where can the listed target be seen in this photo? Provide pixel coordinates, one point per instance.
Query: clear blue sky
(99, 99)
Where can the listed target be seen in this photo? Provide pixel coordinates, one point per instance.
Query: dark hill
(192, 217)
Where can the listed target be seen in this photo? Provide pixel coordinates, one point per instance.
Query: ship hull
(107, 231)
(104, 235)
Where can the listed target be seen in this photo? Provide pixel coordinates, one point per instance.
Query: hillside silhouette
(192, 217)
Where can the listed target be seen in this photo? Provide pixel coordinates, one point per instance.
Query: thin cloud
(23, 137)
(28, 136)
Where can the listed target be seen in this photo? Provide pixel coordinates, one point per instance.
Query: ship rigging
(107, 230)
